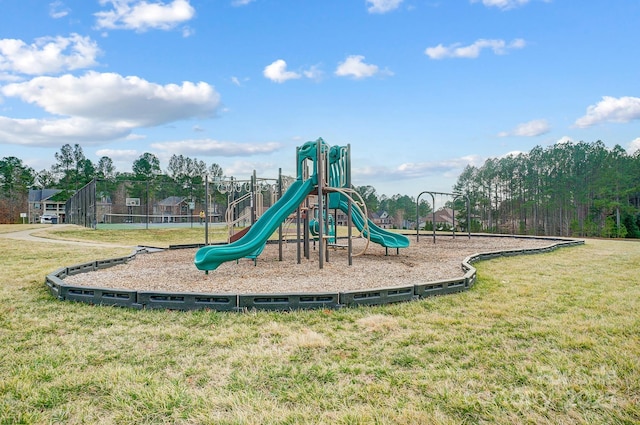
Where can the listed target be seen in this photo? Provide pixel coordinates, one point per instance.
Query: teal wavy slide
(252, 243)
(378, 235)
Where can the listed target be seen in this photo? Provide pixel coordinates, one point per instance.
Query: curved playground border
(274, 301)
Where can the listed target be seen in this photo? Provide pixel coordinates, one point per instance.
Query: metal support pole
(433, 220)
(94, 200)
(418, 217)
(305, 220)
(305, 232)
(206, 209)
(320, 175)
(327, 235)
(468, 215)
(433, 201)
(298, 241)
(254, 198)
(453, 218)
(468, 205)
(280, 255)
(147, 218)
(349, 206)
(327, 222)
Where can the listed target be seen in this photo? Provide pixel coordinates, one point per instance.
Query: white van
(49, 219)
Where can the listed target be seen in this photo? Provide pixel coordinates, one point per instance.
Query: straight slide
(252, 243)
(378, 235)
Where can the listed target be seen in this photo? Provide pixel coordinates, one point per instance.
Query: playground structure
(322, 170)
(246, 200)
(322, 184)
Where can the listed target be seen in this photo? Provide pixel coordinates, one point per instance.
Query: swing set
(433, 201)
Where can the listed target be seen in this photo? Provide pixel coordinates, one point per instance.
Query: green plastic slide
(378, 235)
(252, 243)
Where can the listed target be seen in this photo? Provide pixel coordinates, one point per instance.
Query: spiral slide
(253, 242)
(377, 234)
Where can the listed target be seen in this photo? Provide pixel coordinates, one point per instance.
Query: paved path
(32, 235)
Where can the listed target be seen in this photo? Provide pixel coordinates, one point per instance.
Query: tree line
(184, 176)
(568, 189)
(72, 170)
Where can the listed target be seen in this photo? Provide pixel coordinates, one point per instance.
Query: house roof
(443, 215)
(171, 201)
(380, 214)
(39, 195)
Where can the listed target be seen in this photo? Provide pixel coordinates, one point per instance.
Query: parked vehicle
(49, 219)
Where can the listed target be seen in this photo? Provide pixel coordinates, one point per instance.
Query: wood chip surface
(424, 261)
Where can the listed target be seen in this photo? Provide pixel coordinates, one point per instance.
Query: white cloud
(241, 2)
(187, 31)
(134, 136)
(528, 129)
(119, 154)
(611, 109)
(382, 6)
(511, 154)
(126, 101)
(122, 158)
(246, 168)
(416, 169)
(502, 4)
(58, 10)
(47, 55)
(634, 146)
(209, 147)
(314, 73)
(140, 15)
(457, 50)
(54, 132)
(277, 72)
(98, 107)
(354, 66)
(4, 76)
(563, 140)
(239, 81)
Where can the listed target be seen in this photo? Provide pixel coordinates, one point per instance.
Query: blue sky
(418, 88)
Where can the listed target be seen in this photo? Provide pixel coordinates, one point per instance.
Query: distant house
(443, 219)
(382, 219)
(338, 217)
(172, 208)
(341, 218)
(40, 203)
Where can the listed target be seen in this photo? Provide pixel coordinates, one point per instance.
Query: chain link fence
(163, 202)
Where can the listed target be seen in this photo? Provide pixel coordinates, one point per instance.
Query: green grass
(159, 237)
(153, 237)
(541, 339)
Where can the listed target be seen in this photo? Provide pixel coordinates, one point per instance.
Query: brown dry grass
(545, 339)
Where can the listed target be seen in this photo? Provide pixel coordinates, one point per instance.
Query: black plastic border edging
(273, 301)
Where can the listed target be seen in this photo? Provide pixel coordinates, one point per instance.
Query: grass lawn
(158, 237)
(151, 237)
(541, 339)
